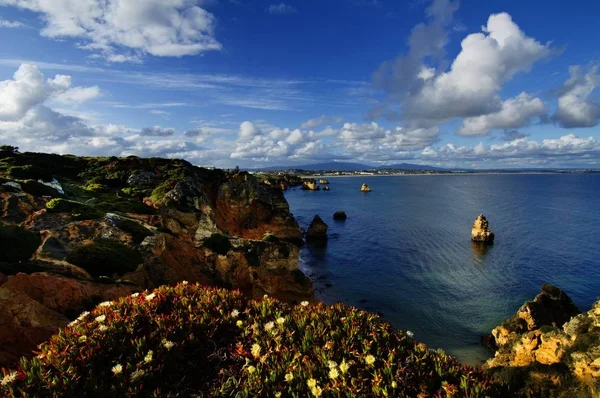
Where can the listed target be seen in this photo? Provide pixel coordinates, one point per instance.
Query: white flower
(168, 344)
(148, 357)
(331, 364)
(117, 369)
(239, 323)
(184, 283)
(105, 304)
(235, 313)
(100, 318)
(135, 295)
(370, 359)
(266, 296)
(150, 296)
(409, 333)
(103, 328)
(73, 323)
(280, 321)
(269, 326)
(304, 303)
(9, 378)
(83, 338)
(83, 315)
(137, 374)
(255, 350)
(333, 373)
(289, 377)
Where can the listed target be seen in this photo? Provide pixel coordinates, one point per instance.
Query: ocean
(405, 249)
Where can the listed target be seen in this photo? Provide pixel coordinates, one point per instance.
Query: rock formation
(122, 225)
(317, 230)
(549, 347)
(310, 185)
(481, 231)
(323, 182)
(340, 215)
(365, 188)
(326, 188)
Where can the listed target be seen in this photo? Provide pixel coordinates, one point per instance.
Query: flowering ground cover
(191, 340)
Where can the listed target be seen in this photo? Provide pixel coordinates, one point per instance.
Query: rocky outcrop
(481, 230)
(323, 182)
(365, 188)
(326, 188)
(549, 348)
(317, 230)
(122, 225)
(340, 215)
(310, 185)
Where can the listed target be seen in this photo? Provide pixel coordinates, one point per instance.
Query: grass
(190, 340)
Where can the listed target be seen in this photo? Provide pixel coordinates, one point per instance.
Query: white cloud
(126, 30)
(281, 8)
(575, 107)
(515, 112)
(157, 131)
(248, 131)
(11, 24)
(78, 95)
(316, 122)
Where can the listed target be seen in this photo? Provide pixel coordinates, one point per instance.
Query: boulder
(365, 188)
(145, 179)
(323, 182)
(481, 231)
(310, 185)
(326, 188)
(340, 215)
(317, 230)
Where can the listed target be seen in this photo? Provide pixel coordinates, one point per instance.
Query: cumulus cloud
(281, 8)
(78, 95)
(575, 107)
(124, 30)
(514, 113)
(11, 24)
(318, 121)
(157, 131)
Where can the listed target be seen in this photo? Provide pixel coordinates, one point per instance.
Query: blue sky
(252, 83)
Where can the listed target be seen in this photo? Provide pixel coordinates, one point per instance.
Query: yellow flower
(304, 303)
(332, 364)
(148, 357)
(100, 318)
(103, 328)
(9, 378)
(269, 326)
(255, 350)
(344, 366)
(105, 304)
(239, 323)
(135, 295)
(333, 373)
(168, 344)
(370, 359)
(394, 384)
(251, 369)
(289, 377)
(83, 315)
(83, 338)
(137, 374)
(184, 283)
(311, 383)
(235, 313)
(278, 395)
(117, 369)
(280, 321)
(316, 391)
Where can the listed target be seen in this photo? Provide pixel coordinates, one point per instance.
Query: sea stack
(481, 231)
(365, 188)
(310, 185)
(317, 231)
(326, 188)
(340, 215)
(323, 182)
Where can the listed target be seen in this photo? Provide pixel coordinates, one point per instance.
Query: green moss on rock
(77, 210)
(105, 257)
(17, 243)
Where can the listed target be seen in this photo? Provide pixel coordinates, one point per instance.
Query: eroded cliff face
(78, 231)
(549, 348)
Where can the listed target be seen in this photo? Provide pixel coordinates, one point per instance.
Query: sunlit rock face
(77, 231)
(365, 188)
(481, 230)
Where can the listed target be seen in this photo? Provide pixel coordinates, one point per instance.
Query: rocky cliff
(76, 231)
(549, 348)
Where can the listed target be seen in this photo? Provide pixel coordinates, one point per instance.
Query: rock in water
(323, 182)
(326, 188)
(317, 231)
(339, 215)
(481, 231)
(310, 185)
(365, 188)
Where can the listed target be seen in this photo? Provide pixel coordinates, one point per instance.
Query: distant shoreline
(446, 174)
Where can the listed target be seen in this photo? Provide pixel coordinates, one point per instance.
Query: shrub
(17, 243)
(105, 257)
(218, 243)
(77, 210)
(193, 341)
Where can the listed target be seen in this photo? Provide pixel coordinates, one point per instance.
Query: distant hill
(328, 166)
(409, 166)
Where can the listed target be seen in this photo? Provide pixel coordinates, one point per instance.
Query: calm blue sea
(405, 250)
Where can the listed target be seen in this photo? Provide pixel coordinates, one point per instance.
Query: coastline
(444, 174)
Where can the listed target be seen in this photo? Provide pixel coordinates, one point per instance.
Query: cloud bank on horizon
(432, 104)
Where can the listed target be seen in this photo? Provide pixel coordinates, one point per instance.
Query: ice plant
(100, 318)
(117, 369)
(9, 378)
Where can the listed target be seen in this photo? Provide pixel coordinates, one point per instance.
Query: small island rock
(340, 215)
(481, 231)
(323, 181)
(365, 188)
(317, 231)
(326, 188)
(310, 185)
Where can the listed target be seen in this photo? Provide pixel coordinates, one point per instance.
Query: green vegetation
(30, 172)
(193, 341)
(218, 243)
(105, 257)
(35, 188)
(77, 210)
(17, 244)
